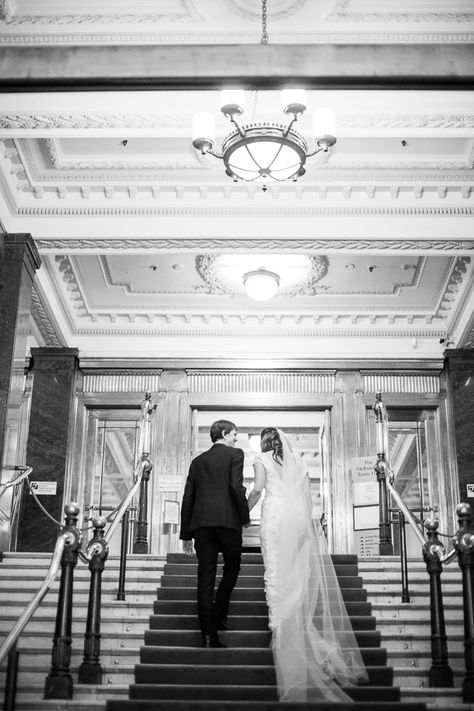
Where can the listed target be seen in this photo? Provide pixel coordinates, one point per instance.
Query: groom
(213, 511)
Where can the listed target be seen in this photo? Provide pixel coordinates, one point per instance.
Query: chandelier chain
(264, 39)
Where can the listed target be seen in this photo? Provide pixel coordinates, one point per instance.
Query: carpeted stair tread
(235, 674)
(239, 607)
(256, 558)
(262, 705)
(246, 693)
(375, 656)
(175, 673)
(246, 569)
(251, 582)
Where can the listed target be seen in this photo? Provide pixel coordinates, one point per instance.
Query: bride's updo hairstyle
(270, 440)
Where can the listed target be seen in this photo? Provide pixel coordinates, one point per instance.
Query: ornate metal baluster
(59, 684)
(464, 544)
(90, 671)
(440, 673)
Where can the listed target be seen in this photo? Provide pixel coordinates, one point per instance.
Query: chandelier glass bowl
(261, 284)
(264, 152)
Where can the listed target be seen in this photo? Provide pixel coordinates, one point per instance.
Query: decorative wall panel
(121, 382)
(406, 383)
(267, 382)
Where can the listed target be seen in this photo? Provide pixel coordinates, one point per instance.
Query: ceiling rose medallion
(261, 277)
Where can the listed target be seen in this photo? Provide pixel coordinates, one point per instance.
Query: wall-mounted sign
(365, 487)
(470, 491)
(44, 488)
(367, 543)
(366, 517)
(171, 512)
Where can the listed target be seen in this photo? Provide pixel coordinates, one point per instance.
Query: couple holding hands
(314, 648)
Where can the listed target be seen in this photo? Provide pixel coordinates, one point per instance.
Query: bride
(314, 648)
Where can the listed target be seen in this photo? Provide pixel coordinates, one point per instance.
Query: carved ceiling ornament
(457, 276)
(279, 9)
(215, 282)
(183, 11)
(341, 12)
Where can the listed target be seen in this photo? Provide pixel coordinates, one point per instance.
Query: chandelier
(264, 152)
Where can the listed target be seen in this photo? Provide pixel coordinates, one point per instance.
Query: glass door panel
(303, 428)
(114, 444)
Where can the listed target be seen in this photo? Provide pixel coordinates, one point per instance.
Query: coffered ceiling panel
(145, 241)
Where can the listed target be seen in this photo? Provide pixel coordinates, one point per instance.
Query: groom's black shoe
(212, 640)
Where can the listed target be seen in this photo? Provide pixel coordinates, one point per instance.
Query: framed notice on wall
(365, 495)
(171, 512)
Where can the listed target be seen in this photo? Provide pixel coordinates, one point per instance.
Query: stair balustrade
(434, 557)
(59, 682)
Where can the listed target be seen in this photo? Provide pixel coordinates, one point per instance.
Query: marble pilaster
(52, 404)
(19, 260)
(460, 375)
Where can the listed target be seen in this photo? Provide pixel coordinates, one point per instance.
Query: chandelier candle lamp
(264, 152)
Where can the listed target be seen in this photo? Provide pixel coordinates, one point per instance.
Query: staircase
(123, 626)
(176, 674)
(405, 627)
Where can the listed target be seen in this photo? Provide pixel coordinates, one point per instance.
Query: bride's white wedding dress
(314, 648)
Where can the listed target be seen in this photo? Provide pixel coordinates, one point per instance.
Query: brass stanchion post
(140, 544)
(385, 529)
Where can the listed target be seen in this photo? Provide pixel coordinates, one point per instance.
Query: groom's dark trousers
(213, 511)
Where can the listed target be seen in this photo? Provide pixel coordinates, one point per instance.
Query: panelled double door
(111, 453)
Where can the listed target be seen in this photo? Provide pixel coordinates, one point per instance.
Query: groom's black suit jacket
(214, 494)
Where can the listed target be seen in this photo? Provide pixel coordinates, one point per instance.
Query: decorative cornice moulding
(82, 37)
(45, 120)
(230, 245)
(44, 322)
(238, 211)
(263, 333)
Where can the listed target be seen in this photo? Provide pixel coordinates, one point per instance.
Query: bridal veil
(314, 647)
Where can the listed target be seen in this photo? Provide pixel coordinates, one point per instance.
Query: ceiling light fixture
(264, 152)
(261, 284)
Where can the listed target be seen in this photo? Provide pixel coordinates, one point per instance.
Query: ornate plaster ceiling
(109, 185)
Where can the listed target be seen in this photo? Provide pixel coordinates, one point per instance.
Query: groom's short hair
(219, 428)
